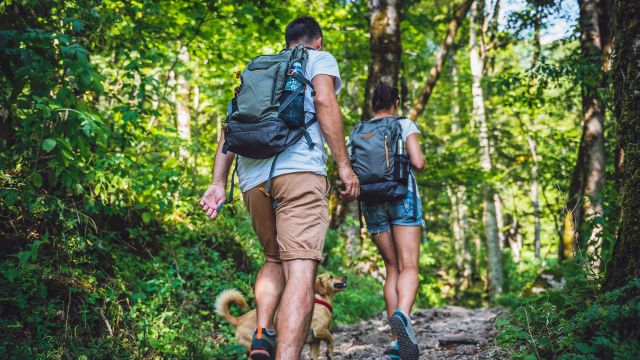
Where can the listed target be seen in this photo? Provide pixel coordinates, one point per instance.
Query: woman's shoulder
(407, 124)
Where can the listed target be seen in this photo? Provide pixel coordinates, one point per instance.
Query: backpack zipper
(386, 151)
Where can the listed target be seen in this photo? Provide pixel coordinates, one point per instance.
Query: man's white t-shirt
(298, 157)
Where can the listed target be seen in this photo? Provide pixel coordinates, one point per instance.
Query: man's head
(304, 30)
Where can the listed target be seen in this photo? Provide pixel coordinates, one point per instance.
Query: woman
(396, 230)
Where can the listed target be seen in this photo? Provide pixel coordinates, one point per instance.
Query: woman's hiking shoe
(401, 327)
(393, 351)
(263, 345)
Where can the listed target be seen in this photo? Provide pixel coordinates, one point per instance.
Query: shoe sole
(259, 355)
(408, 349)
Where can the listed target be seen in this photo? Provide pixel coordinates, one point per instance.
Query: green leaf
(42, 291)
(36, 180)
(10, 273)
(48, 144)
(586, 348)
(10, 197)
(146, 217)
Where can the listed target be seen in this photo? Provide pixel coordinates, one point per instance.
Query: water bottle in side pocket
(293, 113)
(403, 164)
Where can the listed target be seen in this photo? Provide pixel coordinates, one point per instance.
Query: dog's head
(328, 284)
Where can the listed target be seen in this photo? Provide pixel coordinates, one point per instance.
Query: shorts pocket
(373, 216)
(328, 186)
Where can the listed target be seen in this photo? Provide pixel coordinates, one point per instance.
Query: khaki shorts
(296, 229)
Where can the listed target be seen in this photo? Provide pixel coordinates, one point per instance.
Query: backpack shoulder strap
(415, 195)
(301, 53)
(360, 221)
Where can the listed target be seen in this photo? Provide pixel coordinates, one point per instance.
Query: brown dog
(326, 287)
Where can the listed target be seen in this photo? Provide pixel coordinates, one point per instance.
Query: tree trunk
(502, 239)
(494, 259)
(386, 47)
(196, 109)
(489, 26)
(535, 198)
(458, 198)
(460, 240)
(183, 114)
(585, 195)
(441, 55)
(625, 262)
(514, 237)
(386, 51)
(535, 184)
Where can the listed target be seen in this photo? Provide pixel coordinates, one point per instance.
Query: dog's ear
(320, 288)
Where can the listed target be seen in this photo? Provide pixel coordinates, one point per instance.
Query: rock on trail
(451, 332)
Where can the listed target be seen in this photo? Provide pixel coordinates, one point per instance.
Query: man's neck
(305, 45)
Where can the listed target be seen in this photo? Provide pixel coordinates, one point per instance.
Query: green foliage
(575, 322)
(362, 300)
(104, 253)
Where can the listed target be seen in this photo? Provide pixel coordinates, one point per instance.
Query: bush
(574, 323)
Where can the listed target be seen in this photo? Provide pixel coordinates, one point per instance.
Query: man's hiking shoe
(263, 345)
(401, 327)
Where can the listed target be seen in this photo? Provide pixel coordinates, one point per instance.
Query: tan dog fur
(326, 286)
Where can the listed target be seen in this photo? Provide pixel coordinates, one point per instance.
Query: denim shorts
(379, 217)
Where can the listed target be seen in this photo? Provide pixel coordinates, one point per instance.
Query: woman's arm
(415, 152)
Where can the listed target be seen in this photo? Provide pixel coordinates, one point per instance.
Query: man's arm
(215, 194)
(330, 120)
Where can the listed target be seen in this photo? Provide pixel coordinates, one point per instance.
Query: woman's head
(385, 97)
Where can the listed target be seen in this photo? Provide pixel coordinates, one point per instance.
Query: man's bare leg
(296, 307)
(269, 286)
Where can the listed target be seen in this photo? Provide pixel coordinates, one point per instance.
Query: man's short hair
(303, 29)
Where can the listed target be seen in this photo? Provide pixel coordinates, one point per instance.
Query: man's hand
(211, 199)
(351, 183)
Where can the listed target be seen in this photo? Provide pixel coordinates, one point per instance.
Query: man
(292, 235)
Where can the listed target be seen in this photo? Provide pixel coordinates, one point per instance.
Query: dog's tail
(224, 300)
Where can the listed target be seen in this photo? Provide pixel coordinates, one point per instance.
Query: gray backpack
(379, 158)
(264, 118)
(267, 115)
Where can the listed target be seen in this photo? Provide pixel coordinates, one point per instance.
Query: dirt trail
(448, 333)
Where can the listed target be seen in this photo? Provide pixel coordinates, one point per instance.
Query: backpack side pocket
(402, 168)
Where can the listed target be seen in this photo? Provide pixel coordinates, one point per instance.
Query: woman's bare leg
(407, 245)
(384, 242)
